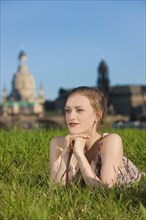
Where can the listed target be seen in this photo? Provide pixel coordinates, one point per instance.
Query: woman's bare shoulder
(112, 140)
(111, 136)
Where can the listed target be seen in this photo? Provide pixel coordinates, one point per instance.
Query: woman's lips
(73, 124)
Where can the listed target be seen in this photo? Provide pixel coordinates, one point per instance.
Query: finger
(81, 135)
(84, 136)
(72, 145)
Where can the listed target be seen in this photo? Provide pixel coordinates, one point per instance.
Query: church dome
(23, 83)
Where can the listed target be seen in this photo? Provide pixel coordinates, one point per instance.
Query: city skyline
(68, 39)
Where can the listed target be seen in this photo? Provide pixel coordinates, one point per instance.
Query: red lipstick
(73, 124)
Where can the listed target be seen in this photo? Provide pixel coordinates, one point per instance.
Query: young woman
(84, 155)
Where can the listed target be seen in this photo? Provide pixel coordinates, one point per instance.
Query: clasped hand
(76, 142)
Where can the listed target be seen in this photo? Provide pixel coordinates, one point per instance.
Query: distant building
(22, 98)
(103, 82)
(126, 100)
(129, 100)
(123, 99)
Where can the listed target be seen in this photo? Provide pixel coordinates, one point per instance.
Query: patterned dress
(127, 175)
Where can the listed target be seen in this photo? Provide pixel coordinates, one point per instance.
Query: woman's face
(79, 114)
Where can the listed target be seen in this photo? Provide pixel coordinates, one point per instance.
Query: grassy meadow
(26, 192)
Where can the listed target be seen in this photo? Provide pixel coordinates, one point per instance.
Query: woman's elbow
(109, 182)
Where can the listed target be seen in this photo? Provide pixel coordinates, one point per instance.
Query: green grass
(26, 193)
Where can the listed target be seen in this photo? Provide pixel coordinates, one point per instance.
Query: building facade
(22, 98)
(124, 100)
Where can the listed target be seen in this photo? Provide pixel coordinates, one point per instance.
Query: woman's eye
(67, 110)
(79, 110)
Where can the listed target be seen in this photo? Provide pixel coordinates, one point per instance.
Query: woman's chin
(73, 132)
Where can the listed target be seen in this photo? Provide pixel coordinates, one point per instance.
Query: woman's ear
(98, 115)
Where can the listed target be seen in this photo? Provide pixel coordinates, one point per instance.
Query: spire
(103, 80)
(4, 94)
(41, 91)
(22, 58)
(41, 95)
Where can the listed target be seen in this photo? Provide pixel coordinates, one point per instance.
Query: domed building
(22, 98)
(23, 83)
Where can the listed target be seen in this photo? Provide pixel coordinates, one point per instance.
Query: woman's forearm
(61, 175)
(89, 176)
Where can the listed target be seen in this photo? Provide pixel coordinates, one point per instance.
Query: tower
(41, 95)
(103, 80)
(4, 94)
(22, 98)
(23, 83)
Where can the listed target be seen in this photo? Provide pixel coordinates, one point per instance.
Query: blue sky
(66, 40)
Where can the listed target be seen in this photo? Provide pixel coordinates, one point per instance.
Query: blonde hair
(97, 98)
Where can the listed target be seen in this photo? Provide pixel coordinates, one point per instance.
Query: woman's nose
(72, 115)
